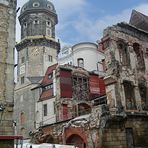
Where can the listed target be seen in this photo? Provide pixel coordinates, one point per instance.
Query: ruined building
(65, 94)
(7, 45)
(126, 49)
(121, 119)
(36, 51)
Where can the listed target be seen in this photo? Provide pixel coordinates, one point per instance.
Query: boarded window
(129, 95)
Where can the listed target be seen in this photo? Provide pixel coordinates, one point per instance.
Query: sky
(85, 20)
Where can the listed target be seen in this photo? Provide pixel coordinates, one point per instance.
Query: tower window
(81, 62)
(49, 6)
(36, 4)
(25, 25)
(48, 32)
(22, 60)
(50, 58)
(22, 80)
(36, 22)
(48, 23)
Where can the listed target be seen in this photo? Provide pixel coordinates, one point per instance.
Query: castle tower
(37, 50)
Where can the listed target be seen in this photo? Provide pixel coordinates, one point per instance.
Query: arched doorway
(76, 140)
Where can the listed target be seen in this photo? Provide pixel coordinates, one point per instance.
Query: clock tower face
(35, 51)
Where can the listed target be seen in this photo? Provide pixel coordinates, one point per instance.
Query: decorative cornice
(38, 41)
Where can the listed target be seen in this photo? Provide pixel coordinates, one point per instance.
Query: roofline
(134, 27)
(83, 43)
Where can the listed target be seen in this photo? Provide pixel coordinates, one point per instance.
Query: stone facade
(126, 80)
(7, 41)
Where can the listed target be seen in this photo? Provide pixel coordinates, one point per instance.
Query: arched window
(80, 62)
(48, 23)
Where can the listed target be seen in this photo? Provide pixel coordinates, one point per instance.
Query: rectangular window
(129, 95)
(54, 109)
(22, 80)
(45, 109)
(22, 59)
(50, 58)
(129, 138)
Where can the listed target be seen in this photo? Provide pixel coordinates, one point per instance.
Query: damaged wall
(126, 82)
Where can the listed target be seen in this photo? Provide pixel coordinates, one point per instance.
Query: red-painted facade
(96, 85)
(65, 83)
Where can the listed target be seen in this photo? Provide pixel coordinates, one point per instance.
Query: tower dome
(38, 5)
(38, 17)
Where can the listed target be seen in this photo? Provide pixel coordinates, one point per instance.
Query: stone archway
(76, 140)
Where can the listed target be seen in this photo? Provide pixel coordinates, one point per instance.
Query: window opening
(80, 62)
(45, 109)
(129, 95)
(22, 80)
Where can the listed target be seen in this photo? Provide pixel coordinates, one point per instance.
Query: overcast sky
(84, 20)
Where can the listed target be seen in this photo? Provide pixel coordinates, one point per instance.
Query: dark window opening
(144, 95)
(83, 109)
(50, 86)
(50, 76)
(129, 138)
(139, 56)
(45, 109)
(22, 60)
(129, 95)
(124, 54)
(22, 80)
(80, 62)
(25, 25)
(36, 22)
(50, 58)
